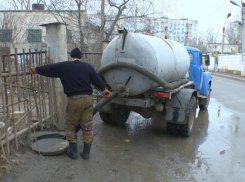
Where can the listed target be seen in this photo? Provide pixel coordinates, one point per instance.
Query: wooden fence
(26, 101)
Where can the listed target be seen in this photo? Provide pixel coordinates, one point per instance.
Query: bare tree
(74, 17)
(20, 4)
(211, 35)
(79, 19)
(11, 21)
(110, 12)
(233, 34)
(120, 8)
(201, 44)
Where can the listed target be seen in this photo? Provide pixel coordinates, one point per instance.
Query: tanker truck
(150, 75)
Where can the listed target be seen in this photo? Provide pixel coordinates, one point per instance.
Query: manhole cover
(50, 144)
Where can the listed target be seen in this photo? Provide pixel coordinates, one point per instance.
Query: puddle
(215, 148)
(212, 147)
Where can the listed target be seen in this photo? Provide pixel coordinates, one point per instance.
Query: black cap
(76, 53)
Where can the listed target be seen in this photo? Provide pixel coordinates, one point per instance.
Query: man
(76, 78)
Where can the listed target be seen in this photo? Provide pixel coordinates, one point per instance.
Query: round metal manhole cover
(50, 144)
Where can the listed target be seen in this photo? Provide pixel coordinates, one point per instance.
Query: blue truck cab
(201, 79)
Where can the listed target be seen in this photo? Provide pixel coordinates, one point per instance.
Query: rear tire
(120, 115)
(105, 117)
(171, 128)
(187, 129)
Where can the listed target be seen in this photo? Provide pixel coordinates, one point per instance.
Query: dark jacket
(76, 76)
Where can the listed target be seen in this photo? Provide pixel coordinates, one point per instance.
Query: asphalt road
(137, 152)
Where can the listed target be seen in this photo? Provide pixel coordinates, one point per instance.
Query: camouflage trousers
(79, 112)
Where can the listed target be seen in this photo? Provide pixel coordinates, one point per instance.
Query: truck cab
(201, 79)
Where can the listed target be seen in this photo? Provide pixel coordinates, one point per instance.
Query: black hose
(104, 101)
(143, 71)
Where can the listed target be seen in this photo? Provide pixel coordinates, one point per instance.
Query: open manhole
(50, 144)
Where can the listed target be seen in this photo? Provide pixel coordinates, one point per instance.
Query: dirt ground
(138, 152)
(128, 153)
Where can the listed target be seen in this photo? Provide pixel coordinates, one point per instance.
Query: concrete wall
(230, 63)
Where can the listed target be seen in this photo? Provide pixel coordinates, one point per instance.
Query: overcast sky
(209, 13)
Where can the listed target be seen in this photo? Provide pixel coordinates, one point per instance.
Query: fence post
(57, 44)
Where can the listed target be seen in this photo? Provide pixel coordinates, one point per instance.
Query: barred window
(6, 35)
(34, 35)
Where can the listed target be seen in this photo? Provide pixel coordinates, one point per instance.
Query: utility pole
(243, 34)
(243, 28)
(243, 40)
(223, 36)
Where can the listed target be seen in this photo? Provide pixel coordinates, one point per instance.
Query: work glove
(106, 93)
(31, 70)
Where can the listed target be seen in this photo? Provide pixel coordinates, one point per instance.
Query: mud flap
(176, 107)
(202, 101)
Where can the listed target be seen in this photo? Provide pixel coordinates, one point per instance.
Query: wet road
(137, 152)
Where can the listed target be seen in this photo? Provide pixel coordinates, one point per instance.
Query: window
(200, 57)
(191, 56)
(34, 35)
(6, 35)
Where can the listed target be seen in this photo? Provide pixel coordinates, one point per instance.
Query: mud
(140, 152)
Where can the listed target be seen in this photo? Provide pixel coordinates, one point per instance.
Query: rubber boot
(86, 151)
(72, 151)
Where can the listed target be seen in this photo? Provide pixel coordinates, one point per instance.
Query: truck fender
(176, 107)
(205, 84)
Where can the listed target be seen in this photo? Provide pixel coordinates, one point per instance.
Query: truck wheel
(105, 117)
(205, 107)
(171, 128)
(120, 114)
(187, 129)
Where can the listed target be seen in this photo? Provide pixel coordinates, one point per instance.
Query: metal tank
(166, 59)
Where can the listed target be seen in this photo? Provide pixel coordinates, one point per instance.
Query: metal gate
(26, 101)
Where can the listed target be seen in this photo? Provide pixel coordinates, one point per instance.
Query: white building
(228, 48)
(21, 28)
(181, 30)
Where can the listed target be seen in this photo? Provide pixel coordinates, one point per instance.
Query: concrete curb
(235, 77)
